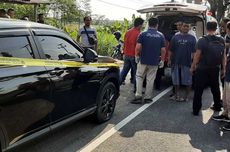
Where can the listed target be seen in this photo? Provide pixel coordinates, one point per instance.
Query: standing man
(223, 25)
(10, 13)
(150, 46)
(223, 33)
(130, 42)
(88, 34)
(41, 18)
(225, 116)
(182, 48)
(179, 28)
(3, 13)
(210, 54)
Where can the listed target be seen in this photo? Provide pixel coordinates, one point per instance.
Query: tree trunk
(221, 10)
(218, 8)
(213, 8)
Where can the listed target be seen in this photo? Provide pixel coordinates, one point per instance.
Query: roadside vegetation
(106, 39)
(70, 21)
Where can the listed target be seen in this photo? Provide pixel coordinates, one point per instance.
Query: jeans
(129, 63)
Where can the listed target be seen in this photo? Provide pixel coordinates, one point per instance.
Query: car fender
(112, 75)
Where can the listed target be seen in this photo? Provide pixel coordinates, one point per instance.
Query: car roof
(6, 23)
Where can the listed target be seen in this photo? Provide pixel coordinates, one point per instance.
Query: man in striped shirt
(91, 33)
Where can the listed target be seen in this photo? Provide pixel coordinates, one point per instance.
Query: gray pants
(150, 72)
(226, 99)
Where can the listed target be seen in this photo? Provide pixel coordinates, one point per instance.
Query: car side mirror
(90, 55)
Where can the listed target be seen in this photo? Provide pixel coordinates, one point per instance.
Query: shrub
(106, 39)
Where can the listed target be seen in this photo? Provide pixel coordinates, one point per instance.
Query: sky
(120, 9)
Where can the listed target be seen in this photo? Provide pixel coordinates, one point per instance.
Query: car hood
(107, 59)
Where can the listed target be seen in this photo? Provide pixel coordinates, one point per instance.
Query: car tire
(106, 102)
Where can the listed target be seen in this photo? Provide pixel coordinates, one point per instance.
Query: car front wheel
(106, 102)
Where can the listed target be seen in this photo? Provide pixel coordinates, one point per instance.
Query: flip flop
(180, 99)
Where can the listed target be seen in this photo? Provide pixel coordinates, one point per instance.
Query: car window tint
(56, 48)
(15, 47)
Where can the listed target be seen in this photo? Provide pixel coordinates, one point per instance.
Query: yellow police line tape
(41, 62)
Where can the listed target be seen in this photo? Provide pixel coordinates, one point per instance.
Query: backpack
(214, 54)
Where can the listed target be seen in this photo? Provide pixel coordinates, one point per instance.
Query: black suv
(47, 80)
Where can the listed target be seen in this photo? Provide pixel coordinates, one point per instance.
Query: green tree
(85, 7)
(218, 8)
(67, 10)
(70, 11)
(100, 20)
(24, 10)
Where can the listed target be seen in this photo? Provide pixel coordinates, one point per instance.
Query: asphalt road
(165, 126)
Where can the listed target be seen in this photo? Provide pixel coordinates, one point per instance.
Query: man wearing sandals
(182, 48)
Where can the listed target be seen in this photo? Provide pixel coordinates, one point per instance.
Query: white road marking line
(92, 145)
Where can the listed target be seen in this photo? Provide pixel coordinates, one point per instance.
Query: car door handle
(56, 71)
(53, 72)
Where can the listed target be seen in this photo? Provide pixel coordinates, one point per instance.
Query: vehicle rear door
(179, 10)
(24, 87)
(174, 8)
(74, 84)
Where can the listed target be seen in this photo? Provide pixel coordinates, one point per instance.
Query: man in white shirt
(86, 33)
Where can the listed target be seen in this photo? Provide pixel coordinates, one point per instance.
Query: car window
(15, 47)
(56, 48)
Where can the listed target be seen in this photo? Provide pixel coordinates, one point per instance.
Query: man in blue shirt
(182, 48)
(150, 46)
